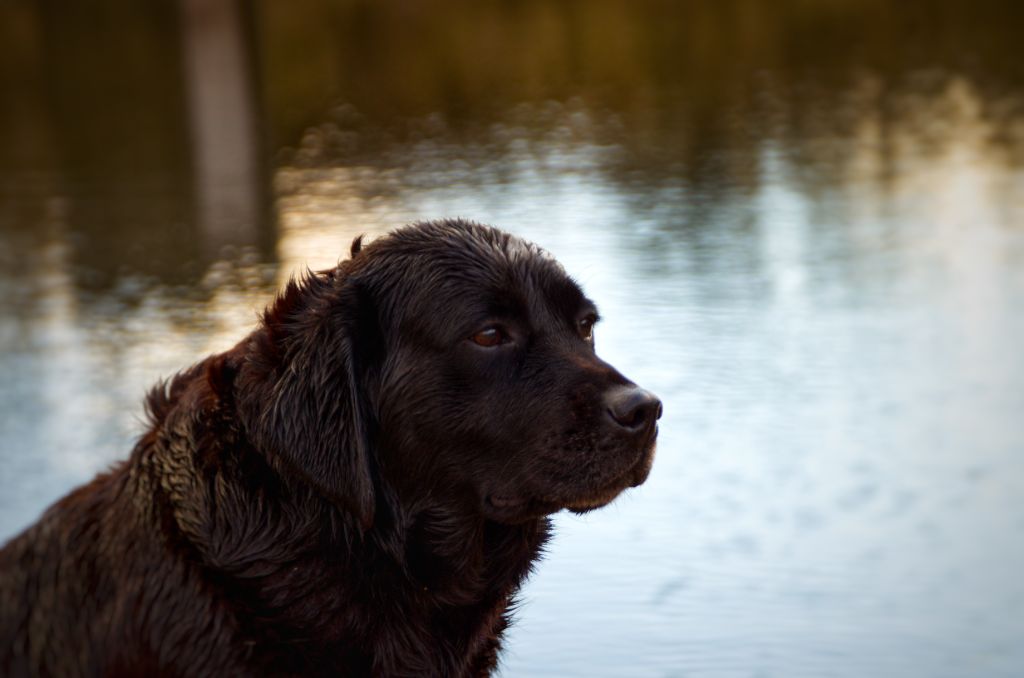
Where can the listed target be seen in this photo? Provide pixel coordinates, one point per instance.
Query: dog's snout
(633, 408)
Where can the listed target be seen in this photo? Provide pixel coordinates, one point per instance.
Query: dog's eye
(491, 336)
(587, 327)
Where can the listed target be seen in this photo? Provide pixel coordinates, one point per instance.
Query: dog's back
(101, 586)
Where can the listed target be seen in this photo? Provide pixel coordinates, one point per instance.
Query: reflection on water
(804, 235)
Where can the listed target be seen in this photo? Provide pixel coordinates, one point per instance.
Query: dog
(358, 488)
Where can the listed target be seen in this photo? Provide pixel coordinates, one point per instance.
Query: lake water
(804, 229)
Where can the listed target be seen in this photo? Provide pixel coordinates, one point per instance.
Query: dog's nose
(633, 408)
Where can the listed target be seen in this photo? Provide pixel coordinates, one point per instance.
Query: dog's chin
(594, 501)
(512, 508)
(638, 474)
(634, 476)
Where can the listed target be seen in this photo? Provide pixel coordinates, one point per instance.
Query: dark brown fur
(357, 488)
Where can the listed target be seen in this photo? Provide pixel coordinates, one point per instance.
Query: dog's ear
(304, 397)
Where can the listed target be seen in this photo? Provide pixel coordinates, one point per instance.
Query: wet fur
(302, 505)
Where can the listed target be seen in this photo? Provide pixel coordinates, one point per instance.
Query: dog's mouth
(635, 475)
(514, 507)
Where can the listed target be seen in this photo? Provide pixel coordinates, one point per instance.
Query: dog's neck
(290, 556)
(310, 574)
(461, 557)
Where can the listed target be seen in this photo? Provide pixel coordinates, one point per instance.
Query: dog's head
(455, 363)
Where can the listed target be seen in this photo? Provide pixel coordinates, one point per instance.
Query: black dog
(357, 488)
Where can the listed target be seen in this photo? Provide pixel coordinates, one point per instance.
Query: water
(804, 229)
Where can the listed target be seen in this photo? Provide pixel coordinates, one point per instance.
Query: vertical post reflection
(221, 101)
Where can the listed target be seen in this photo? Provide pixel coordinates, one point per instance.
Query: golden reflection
(320, 212)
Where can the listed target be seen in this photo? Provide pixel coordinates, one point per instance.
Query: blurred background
(803, 221)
